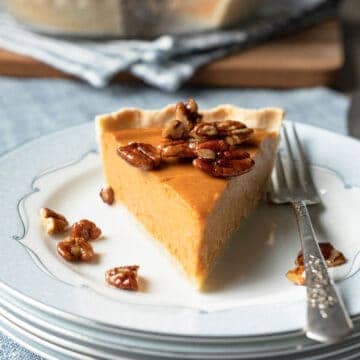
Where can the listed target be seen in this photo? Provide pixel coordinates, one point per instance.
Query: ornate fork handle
(327, 319)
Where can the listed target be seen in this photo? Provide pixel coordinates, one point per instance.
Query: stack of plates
(248, 311)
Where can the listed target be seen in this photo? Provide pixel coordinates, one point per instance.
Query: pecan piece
(75, 249)
(175, 129)
(107, 195)
(180, 149)
(297, 275)
(187, 113)
(144, 156)
(54, 223)
(85, 229)
(332, 257)
(192, 108)
(123, 277)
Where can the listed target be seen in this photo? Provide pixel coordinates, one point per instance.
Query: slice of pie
(190, 201)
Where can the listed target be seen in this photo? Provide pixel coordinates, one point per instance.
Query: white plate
(60, 335)
(251, 298)
(34, 344)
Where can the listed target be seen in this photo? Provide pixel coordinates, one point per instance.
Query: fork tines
(291, 179)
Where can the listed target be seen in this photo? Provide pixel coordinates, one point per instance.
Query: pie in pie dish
(194, 188)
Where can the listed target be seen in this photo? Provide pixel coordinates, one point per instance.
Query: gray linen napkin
(166, 62)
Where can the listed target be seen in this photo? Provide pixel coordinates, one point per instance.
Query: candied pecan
(123, 277)
(234, 132)
(187, 113)
(54, 223)
(180, 149)
(107, 195)
(175, 129)
(144, 156)
(224, 168)
(192, 107)
(332, 256)
(297, 275)
(85, 229)
(75, 249)
(217, 158)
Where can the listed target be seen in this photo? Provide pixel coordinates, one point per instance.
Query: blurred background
(167, 43)
(323, 49)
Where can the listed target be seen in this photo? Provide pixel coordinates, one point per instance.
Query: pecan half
(332, 257)
(107, 195)
(53, 222)
(234, 132)
(175, 129)
(217, 159)
(75, 249)
(85, 229)
(180, 149)
(123, 277)
(144, 156)
(224, 168)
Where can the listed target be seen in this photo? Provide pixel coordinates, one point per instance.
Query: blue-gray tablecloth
(31, 108)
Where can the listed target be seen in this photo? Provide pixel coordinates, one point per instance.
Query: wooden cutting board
(311, 58)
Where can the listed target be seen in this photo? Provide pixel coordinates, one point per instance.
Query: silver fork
(291, 182)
